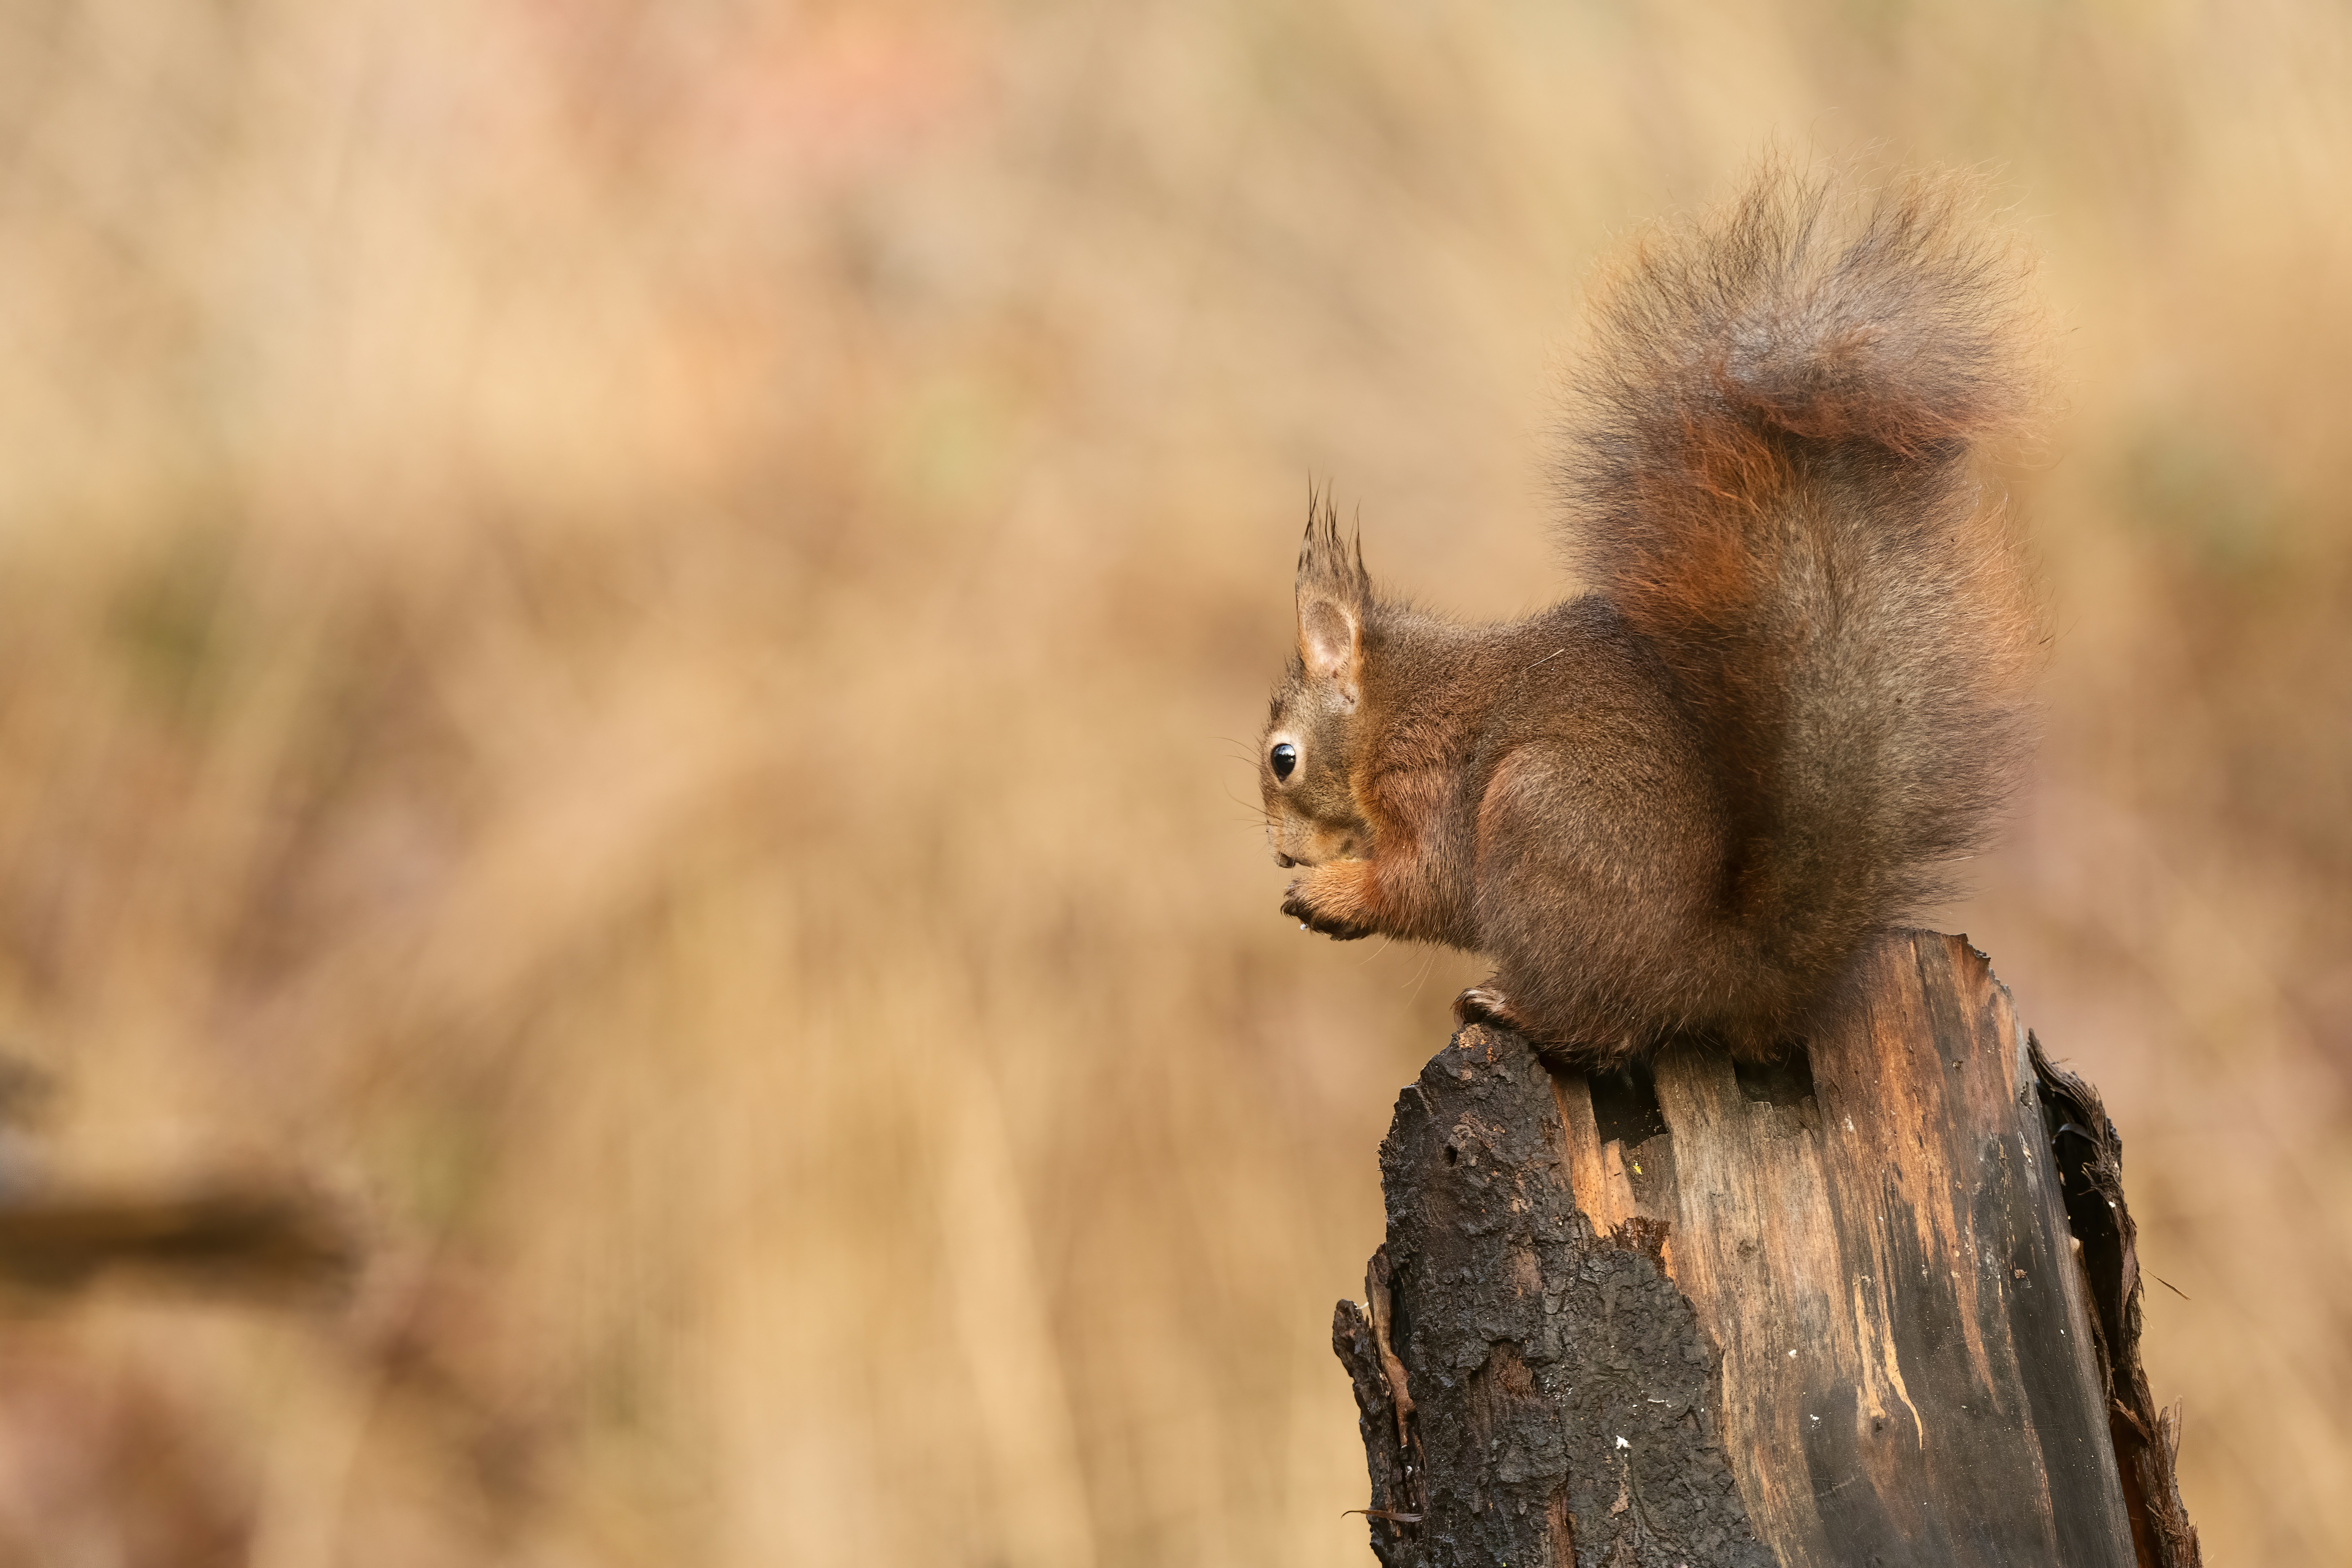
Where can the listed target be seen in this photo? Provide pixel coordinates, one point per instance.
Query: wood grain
(1907, 1363)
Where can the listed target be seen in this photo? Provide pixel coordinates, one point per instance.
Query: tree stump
(1874, 1305)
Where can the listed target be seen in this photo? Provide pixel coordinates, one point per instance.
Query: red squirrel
(1795, 690)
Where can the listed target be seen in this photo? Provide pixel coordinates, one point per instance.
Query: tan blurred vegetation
(628, 633)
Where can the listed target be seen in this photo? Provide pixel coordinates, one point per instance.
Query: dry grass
(624, 629)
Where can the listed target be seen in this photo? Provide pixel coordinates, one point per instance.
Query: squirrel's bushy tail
(1773, 476)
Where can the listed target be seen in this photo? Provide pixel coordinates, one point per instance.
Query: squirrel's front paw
(1297, 907)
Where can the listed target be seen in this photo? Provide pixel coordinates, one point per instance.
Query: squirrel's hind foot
(1485, 1004)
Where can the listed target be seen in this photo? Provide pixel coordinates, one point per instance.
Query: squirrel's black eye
(1285, 757)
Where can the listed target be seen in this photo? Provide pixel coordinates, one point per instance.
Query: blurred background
(630, 638)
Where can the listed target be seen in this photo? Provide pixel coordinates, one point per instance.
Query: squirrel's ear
(1331, 641)
(1333, 591)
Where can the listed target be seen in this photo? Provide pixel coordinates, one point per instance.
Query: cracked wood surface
(1825, 1313)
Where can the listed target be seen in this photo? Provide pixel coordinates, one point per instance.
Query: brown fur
(1682, 803)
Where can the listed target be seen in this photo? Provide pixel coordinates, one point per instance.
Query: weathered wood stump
(1876, 1305)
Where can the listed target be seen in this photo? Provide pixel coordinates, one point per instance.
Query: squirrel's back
(1774, 476)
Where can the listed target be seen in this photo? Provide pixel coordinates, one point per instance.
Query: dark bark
(1824, 1313)
(2089, 1155)
(1563, 1395)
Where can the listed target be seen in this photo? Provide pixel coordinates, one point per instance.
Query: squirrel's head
(1306, 755)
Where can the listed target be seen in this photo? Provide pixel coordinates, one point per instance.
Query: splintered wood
(1822, 1314)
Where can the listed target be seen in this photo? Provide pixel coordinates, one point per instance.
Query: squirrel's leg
(1339, 898)
(1579, 879)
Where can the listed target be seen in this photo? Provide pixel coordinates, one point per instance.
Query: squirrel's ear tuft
(1333, 593)
(1330, 565)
